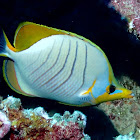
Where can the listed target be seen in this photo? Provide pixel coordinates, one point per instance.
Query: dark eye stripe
(112, 88)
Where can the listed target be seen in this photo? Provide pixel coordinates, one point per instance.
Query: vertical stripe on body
(41, 70)
(69, 71)
(63, 66)
(40, 76)
(77, 73)
(57, 68)
(52, 82)
(34, 57)
(83, 74)
(63, 78)
(62, 74)
(42, 63)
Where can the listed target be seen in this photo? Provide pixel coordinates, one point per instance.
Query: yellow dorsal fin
(10, 77)
(29, 33)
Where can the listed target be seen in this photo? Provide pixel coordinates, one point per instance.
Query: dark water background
(91, 19)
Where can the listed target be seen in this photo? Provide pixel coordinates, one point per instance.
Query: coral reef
(35, 124)
(5, 124)
(125, 137)
(131, 10)
(125, 113)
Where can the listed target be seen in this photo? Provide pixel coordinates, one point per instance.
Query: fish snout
(128, 93)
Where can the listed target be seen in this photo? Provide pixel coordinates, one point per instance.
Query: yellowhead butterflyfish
(59, 65)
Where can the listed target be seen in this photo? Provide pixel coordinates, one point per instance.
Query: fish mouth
(129, 94)
(126, 93)
(132, 94)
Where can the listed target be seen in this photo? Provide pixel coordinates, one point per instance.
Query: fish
(58, 65)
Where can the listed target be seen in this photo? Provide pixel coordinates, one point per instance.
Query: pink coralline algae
(5, 124)
(35, 124)
(131, 10)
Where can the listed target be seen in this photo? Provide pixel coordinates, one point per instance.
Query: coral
(131, 10)
(5, 124)
(35, 124)
(125, 113)
(126, 137)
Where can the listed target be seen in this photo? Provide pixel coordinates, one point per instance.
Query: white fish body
(61, 67)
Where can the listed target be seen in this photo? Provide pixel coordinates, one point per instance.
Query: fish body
(58, 65)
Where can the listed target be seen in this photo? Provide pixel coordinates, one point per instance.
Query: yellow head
(107, 88)
(114, 92)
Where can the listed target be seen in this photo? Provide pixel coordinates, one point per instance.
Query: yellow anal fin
(29, 33)
(82, 105)
(10, 77)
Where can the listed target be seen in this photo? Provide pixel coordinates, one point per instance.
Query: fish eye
(112, 89)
